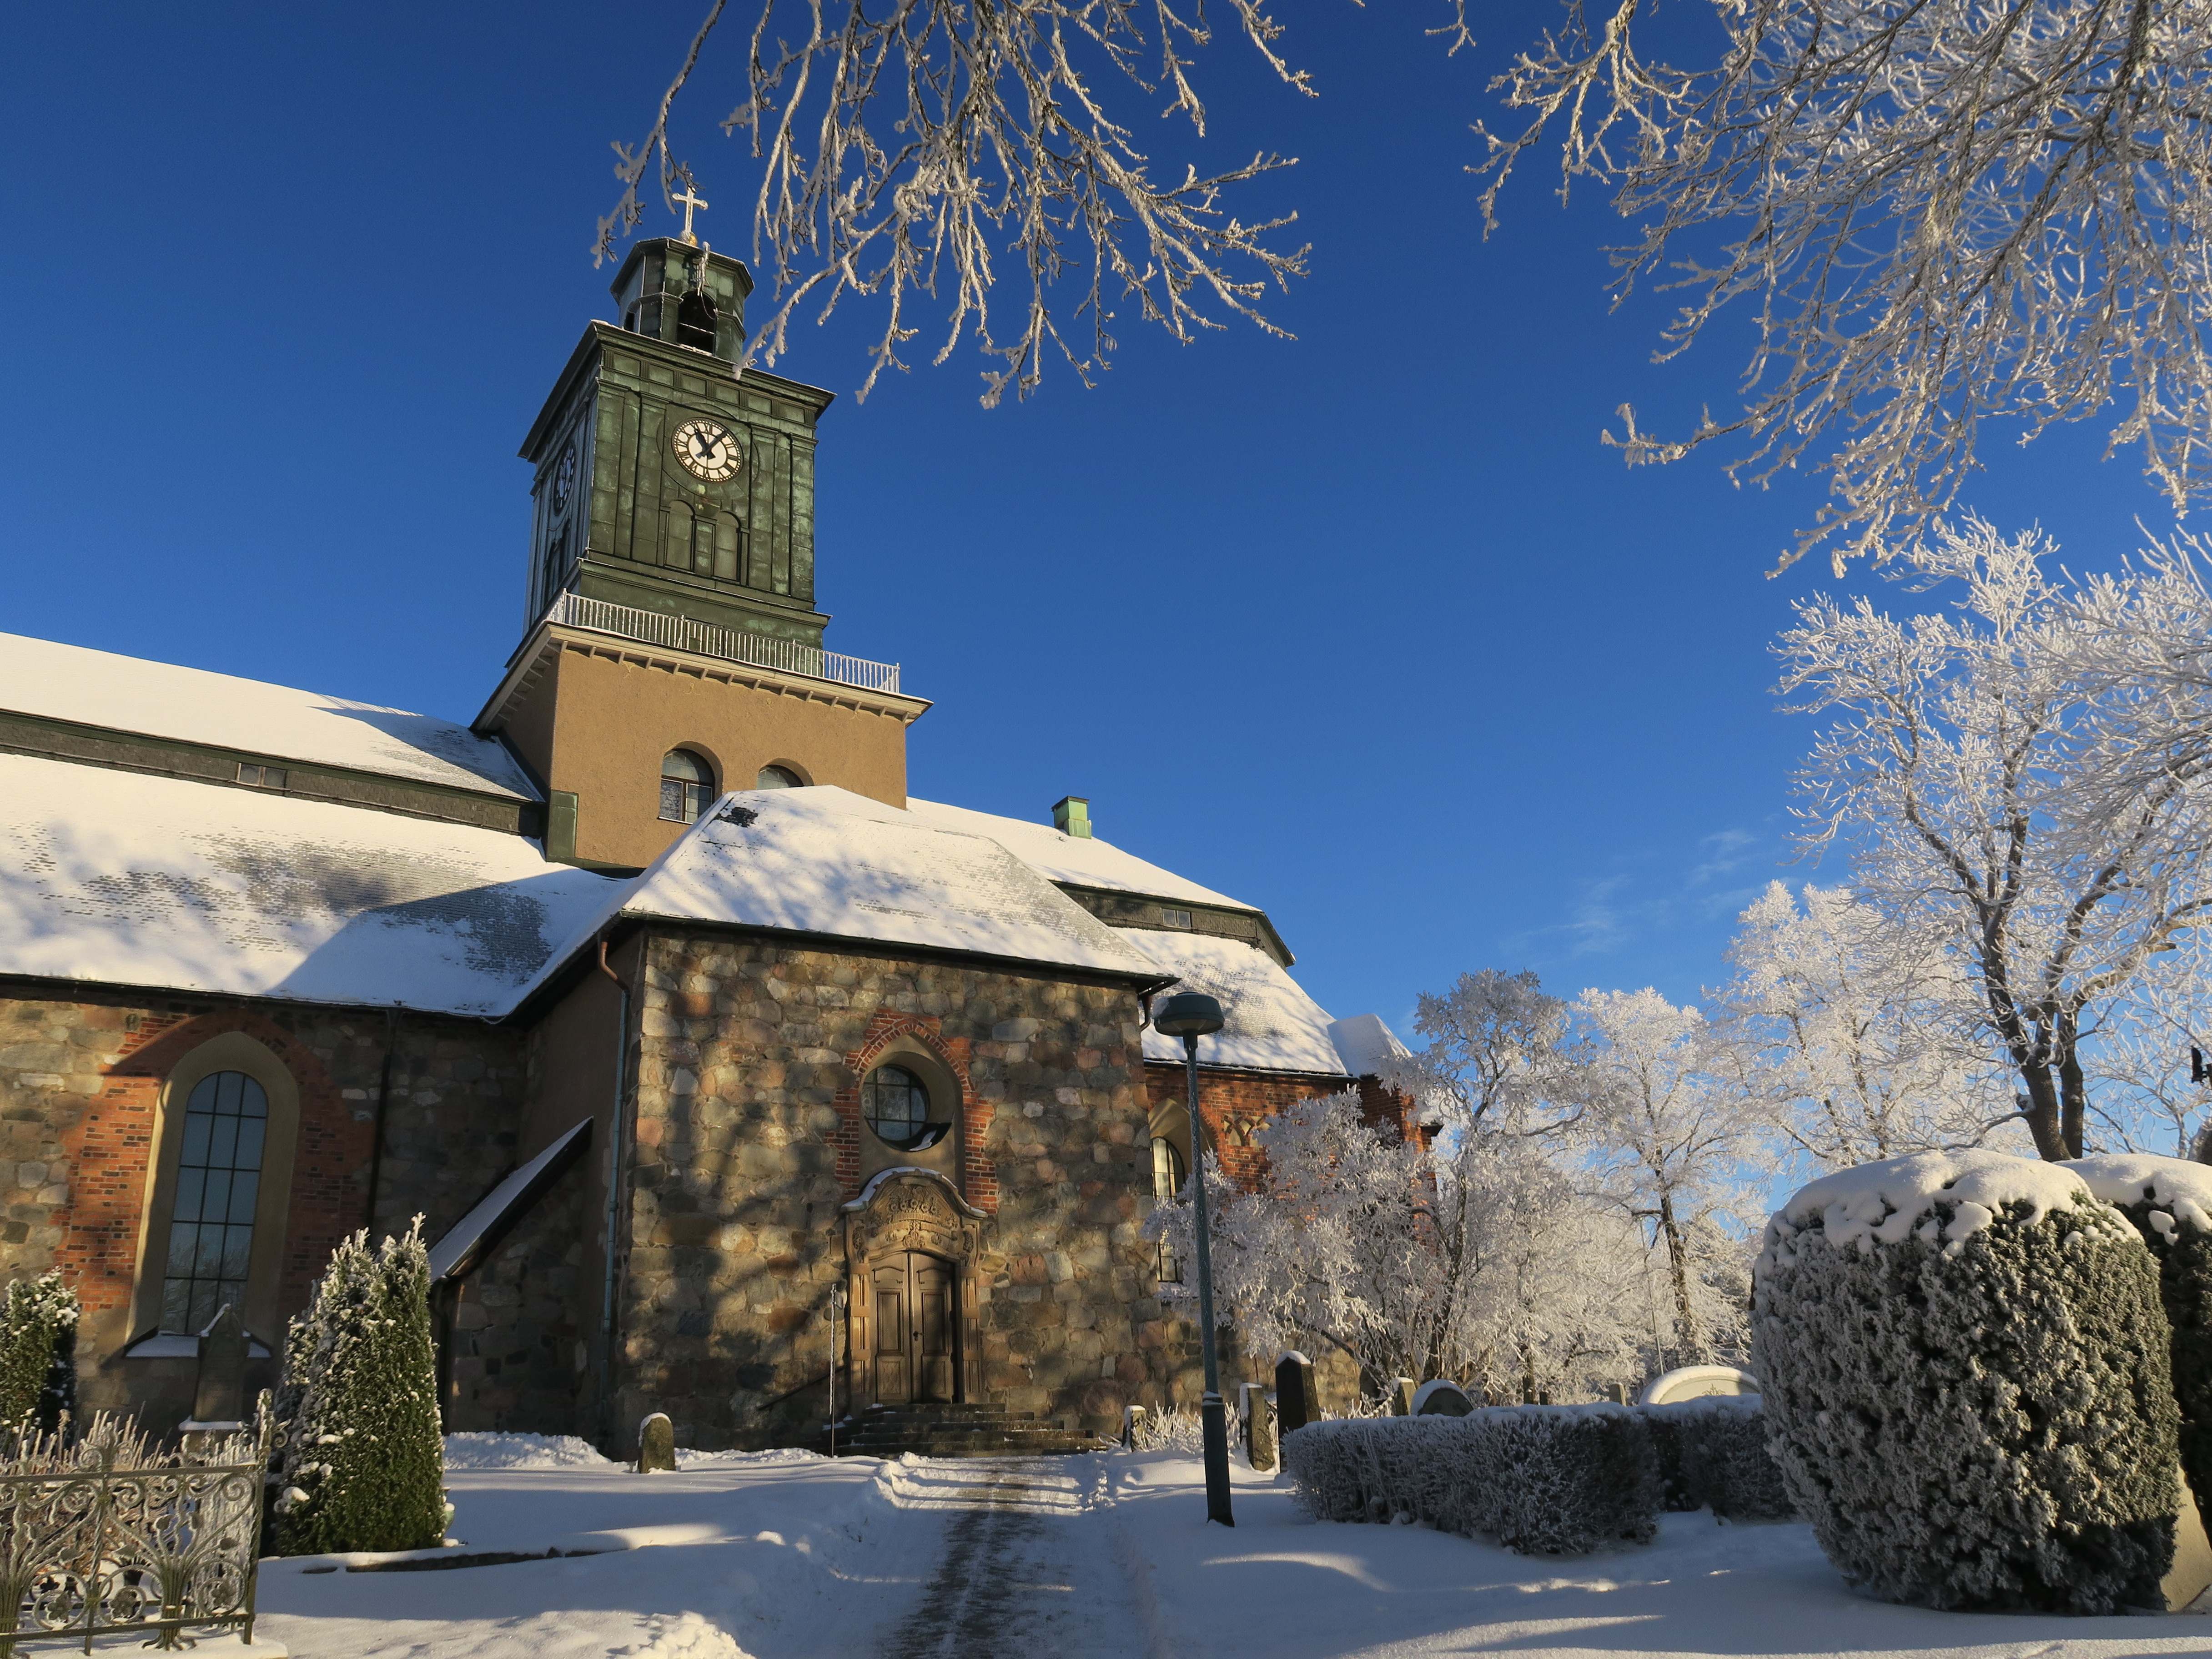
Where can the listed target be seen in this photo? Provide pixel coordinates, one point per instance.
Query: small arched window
(1167, 1169)
(687, 784)
(218, 1183)
(776, 777)
(896, 1102)
(1167, 1186)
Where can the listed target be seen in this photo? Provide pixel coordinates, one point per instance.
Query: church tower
(673, 649)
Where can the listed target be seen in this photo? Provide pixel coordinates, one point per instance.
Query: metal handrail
(731, 644)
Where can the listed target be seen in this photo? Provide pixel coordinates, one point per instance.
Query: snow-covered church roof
(85, 687)
(823, 860)
(1273, 1025)
(1079, 860)
(116, 878)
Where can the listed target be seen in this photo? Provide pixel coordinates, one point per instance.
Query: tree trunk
(2074, 1092)
(2043, 1113)
(1678, 1267)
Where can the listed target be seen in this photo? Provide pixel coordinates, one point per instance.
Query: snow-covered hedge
(1712, 1454)
(38, 1354)
(1966, 1369)
(1540, 1479)
(2170, 1202)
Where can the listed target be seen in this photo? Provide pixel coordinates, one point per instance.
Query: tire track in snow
(1028, 1569)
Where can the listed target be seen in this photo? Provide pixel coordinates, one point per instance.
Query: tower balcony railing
(730, 644)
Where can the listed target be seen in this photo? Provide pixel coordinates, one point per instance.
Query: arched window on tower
(776, 777)
(1167, 1187)
(687, 784)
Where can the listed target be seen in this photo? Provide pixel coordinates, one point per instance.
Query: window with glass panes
(896, 1102)
(1167, 1185)
(686, 786)
(218, 1183)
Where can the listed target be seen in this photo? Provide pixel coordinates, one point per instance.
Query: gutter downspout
(615, 1138)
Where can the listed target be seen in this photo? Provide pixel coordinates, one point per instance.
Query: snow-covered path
(1026, 1569)
(791, 1556)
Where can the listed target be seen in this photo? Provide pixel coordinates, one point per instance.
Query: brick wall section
(80, 1086)
(735, 1231)
(1236, 1105)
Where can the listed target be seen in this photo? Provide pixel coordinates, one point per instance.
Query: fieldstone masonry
(751, 1057)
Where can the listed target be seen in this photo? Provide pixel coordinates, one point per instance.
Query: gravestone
(1133, 1418)
(1696, 1382)
(219, 1399)
(656, 1446)
(1258, 1418)
(1617, 1393)
(1401, 1396)
(1442, 1398)
(1298, 1401)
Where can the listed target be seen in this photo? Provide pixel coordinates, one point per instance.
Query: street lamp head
(1189, 1014)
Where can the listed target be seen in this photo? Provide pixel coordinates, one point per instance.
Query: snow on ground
(786, 1555)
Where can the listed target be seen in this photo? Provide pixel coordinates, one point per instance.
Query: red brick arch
(979, 1176)
(113, 1149)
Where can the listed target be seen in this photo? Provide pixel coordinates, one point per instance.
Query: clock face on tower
(706, 451)
(564, 481)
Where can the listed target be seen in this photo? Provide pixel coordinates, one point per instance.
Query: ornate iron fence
(107, 1535)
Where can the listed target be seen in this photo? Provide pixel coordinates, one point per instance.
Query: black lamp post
(1190, 1017)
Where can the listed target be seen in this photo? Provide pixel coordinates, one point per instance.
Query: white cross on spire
(690, 202)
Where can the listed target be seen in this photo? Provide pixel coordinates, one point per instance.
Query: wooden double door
(917, 1329)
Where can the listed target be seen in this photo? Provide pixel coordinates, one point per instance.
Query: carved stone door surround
(898, 1212)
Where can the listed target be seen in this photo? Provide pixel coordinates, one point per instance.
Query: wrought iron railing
(731, 644)
(109, 1536)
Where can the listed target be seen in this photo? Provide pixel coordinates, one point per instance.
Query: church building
(723, 1072)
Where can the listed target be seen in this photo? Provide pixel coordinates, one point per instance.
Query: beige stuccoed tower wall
(592, 715)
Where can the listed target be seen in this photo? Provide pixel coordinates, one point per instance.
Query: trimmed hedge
(1540, 1479)
(38, 1354)
(1965, 1365)
(1712, 1454)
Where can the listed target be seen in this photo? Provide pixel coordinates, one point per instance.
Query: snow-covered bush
(2170, 1202)
(38, 1353)
(362, 1465)
(1712, 1454)
(1177, 1429)
(1540, 1479)
(1965, 1370)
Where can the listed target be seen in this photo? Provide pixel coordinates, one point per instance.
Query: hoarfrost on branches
(1940, 214)
(908, 150)
(1846, 1035)
(2015, 788)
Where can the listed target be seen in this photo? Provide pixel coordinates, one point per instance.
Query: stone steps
(950, 1430)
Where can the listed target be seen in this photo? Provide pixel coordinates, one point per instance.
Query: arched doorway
(912, 1339)
(915, 1297)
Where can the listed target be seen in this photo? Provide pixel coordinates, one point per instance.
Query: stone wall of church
(81, 1080)
(751, 1057)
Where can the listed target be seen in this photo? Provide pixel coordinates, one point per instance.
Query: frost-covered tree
(1498, 1046)
(1473, 1257)
(38, 1353)
(2002, 788)
(362, 1460)
(1846, 1035)
(1937, 215)
(1666, 1137)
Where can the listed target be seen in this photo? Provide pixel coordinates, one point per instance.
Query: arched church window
(776, 777)
(687, 784)
(680, 528)
(896, 1102)
(1167, 1186)
(218, 1183)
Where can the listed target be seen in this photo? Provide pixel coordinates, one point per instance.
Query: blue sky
(1366, 628)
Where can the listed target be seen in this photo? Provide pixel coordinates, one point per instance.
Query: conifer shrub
(1966, 1373)
(38, 1354)
(1540, 1479)
(2169, 1200)
(361, 1462)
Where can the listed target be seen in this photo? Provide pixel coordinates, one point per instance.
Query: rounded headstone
(1298, 1401)
(1696, 1382)
(1440, 1398)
